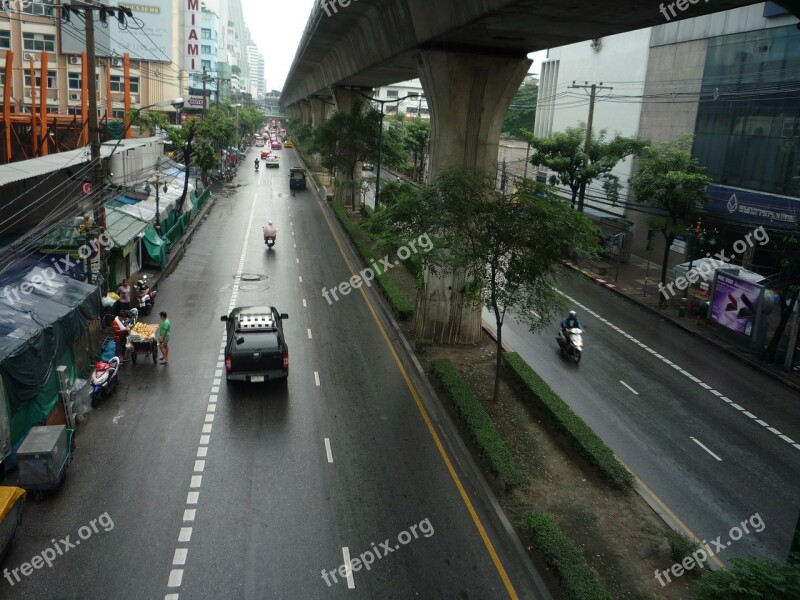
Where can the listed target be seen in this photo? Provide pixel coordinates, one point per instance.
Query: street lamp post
(158, 185)
(380, 134)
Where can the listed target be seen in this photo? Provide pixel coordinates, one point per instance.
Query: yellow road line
(475, 519)
(664, 507)
(672, 515)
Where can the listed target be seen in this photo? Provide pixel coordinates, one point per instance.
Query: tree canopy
(672, 180)
(521, 115)
(563, 153)
(509, 245)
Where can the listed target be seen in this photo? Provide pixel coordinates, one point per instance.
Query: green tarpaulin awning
(123, 228)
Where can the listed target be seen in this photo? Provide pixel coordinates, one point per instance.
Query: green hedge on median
(587, 441)
(480, 425)
(578, 580)
(402, 307)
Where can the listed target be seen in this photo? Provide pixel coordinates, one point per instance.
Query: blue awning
(126, 200)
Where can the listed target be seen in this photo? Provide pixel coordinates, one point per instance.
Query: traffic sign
(87, 188)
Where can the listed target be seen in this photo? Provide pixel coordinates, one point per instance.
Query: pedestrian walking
(163, 337)
(124, 292)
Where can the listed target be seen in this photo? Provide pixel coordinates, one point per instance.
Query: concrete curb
(733, 354)
(180, 248)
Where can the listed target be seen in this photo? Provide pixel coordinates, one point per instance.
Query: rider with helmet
(569, 322)
(270, 231)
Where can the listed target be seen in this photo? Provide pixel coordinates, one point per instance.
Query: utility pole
(205, 78)
(94, 141)
(588, 141)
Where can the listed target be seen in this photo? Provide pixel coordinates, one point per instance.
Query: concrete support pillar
(348, 178)
(468, 96)
(305, 112)
(319, 111)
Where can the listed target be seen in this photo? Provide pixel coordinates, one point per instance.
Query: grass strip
(480, 425)
(578, 579)
(586, 440)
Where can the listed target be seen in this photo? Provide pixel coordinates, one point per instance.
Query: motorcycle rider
(257, 163)
(569, 322)
(270, 231)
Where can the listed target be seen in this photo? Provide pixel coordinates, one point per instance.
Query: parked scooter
(146, 295)
(103, 380)
(571, 345)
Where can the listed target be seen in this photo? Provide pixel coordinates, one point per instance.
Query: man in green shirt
(163, 334)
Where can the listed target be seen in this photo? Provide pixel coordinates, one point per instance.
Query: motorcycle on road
(571, 343)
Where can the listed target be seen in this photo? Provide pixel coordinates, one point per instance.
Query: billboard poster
(145, 36)
(735, 303)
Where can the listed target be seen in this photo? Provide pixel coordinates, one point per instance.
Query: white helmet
(573, 314)
(269, 223)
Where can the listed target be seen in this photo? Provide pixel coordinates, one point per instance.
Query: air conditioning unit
(74, 96)
(29, 55)
(116, 62)
(74, 60)
(134, 99)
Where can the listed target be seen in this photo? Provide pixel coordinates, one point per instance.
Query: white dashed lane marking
(699, 443)
(348, 566)
(635, 393)
(691, 377)
(193, 496)
(328, 451)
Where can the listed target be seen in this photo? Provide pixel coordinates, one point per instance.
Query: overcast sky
(277, 25)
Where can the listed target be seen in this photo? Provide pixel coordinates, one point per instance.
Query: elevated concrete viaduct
(471, 56)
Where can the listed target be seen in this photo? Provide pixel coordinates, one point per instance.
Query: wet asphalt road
(716, 441)
(251, 491)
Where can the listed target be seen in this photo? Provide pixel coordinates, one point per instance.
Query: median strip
(480, 425)
(586, 440)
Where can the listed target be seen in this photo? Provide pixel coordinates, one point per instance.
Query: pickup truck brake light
(285, 361)
(228, 364)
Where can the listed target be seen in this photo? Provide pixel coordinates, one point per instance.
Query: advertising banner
(735, 303)
(146, 36)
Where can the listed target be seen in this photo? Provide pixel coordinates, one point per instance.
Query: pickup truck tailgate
(259, 352)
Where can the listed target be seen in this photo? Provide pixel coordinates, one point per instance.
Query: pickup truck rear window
(258, 342)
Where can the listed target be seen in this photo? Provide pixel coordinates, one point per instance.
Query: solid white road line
(328, 450)
(699, 443)
(635, 393)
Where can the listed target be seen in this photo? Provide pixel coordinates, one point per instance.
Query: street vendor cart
(142, 340)
(12, 499)
(43, 458)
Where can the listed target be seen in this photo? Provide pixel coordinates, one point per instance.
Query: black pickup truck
(256, 349)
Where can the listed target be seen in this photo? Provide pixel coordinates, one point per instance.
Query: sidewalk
(179, 248)
(628, 281)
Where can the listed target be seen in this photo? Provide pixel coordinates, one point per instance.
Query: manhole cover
(251, 277)
(281, 194)
(247, 287)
